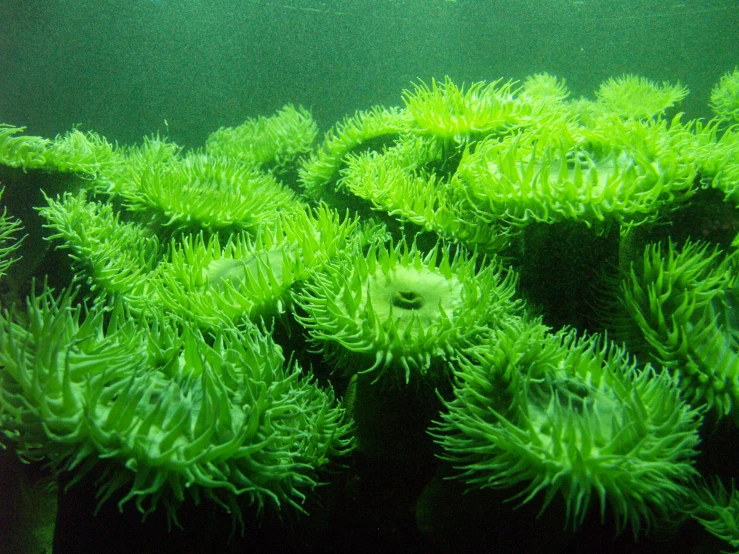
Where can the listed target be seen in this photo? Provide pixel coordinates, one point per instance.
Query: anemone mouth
(405, 294)
(407, 300)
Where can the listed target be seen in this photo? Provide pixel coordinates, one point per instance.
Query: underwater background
(183, 94)
(123, 68)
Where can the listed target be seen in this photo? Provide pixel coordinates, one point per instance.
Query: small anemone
(322, 167)
(452, 112)
(9, 242)
(398, 312)
(725, 97)
(717, 509)
(632, 96)
(573, 418)
(22, 151)
(278, 139)
(542, 87)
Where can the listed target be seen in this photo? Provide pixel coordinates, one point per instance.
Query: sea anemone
(451, 112)
(632, 96)
(725, 97)
(164, 411)
(680, 305)
(9, 242)
(396, 181)
(254, 277)
(625, 171)
(317, 171)
(200, 191)
(542, 88)
(717, 509)
(398, 312)
(719, 161)
(86, 153)
(570, 417)
(26, 152)
(124, 179)
(117, 259)
(279, 139)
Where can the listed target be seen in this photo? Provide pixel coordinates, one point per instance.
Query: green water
(123, 68)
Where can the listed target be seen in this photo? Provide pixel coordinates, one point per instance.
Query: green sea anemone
(278, 139)
(254, 277)
(317, 171)
(680, 304)
(625, 171)
(116, 258)
(398, 312)
(573, 418)
(544, 88)
(451, 112)
(76, 152)
(632, 96)
(717, 509)
(720, 165)
(396, 181)
(124, 179)
(206, 192)
(26, 152)
(165, 412)
(725, 97)
(9, 241)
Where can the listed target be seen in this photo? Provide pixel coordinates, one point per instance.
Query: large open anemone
(681, 314)
(628, 172)
(397, 312)
(162, 413)
(725, 97)
(254, 277)
(573, 418)
(278, 139)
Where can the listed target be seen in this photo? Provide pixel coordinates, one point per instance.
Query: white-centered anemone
(396, 308)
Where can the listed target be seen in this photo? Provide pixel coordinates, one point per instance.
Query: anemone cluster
(405, 249)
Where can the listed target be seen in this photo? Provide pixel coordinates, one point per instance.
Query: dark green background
(123, 67)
